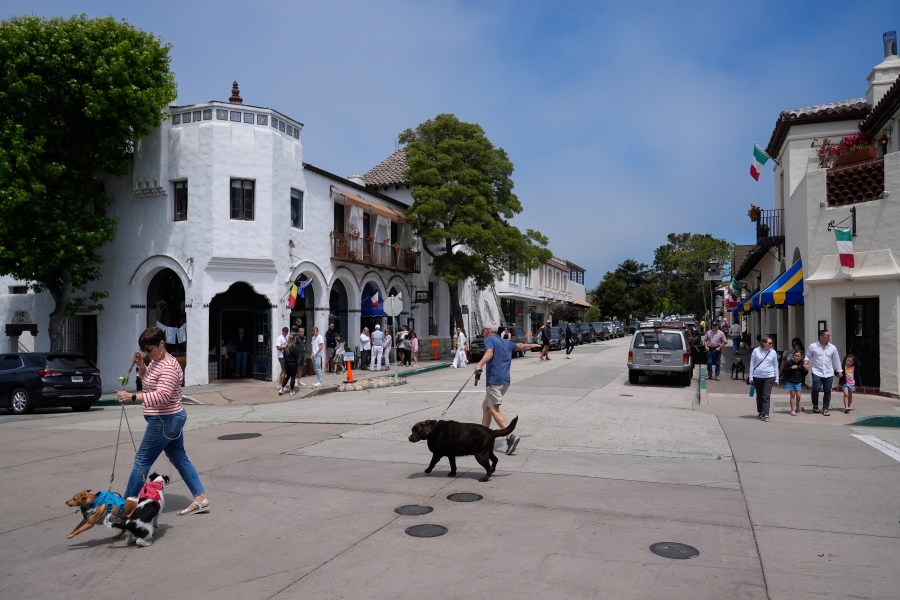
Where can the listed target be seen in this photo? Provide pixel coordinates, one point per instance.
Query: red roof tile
(389, 172)
(845, 110)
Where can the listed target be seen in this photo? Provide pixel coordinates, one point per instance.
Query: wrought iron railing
(770, 225)
(353, 248)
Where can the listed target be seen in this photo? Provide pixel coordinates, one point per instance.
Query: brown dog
(94, 509)
(452, 439)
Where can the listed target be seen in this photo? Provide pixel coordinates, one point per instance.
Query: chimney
(885, 74)
(235, 94)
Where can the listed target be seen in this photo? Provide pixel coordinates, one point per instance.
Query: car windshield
(69, 362)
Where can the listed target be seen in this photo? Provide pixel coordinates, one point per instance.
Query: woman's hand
(123, 396)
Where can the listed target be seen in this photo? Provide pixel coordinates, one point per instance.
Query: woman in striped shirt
(165, 416)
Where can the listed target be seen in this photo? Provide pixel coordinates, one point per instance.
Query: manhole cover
(674, 550)
(465, 497)
(627, 395)
(413, 509)
(426, 530)
(238, 436)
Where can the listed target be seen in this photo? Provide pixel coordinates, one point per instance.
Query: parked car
(611, 329)
(620, 331)
(587, 332)
(633, 326)
(517, 334)
(36, 379)
(600, 331)
(660, 351)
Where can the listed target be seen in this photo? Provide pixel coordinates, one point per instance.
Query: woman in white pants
(459, 361)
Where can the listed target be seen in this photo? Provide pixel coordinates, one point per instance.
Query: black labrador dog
(737, 368)
(452, 439)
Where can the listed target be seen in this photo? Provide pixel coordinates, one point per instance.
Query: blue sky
(625, 121)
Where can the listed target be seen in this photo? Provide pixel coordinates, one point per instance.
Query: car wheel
(20, 402)
(633, 376)
(687, 377)
(81, 406)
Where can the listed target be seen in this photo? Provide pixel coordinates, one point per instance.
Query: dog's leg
(494, 460)
(434, 460)
(78, 529)
(482, 458)
(452, 472)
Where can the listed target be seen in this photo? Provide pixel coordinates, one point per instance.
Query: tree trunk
(455, 309)
(61, 293)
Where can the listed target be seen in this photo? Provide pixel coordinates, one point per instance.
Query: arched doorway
(240, 308)
(372, 306)
(166, 310)
(303, 311)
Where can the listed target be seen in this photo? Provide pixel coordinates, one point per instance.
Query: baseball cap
(378, 327)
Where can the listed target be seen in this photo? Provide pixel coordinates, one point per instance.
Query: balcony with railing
(352, 248)
(770, 228)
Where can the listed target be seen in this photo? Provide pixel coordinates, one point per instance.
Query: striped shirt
(162, 387)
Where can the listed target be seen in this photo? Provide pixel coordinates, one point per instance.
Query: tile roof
(845, 110)
(389, 172)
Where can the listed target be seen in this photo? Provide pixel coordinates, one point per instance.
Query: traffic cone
(349, 372)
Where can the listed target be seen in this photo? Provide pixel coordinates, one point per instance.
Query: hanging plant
(754, 213)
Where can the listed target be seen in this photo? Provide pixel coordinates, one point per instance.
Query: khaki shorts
(494, 394)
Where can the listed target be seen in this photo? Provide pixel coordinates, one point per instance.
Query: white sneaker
(301, 383)
(293, 392)
(317, 384)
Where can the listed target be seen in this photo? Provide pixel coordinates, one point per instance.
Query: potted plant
(754, 213)
(354, 230)
(853, 149)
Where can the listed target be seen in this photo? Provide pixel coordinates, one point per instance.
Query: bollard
(434, 344)
(349, 372)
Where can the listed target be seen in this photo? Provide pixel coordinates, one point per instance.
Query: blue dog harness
(110, 499)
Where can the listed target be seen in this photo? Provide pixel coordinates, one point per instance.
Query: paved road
(796, 508)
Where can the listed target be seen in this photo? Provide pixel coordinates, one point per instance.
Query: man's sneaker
(317, 384)
(511, 442)
(301, 383)
(280, 392)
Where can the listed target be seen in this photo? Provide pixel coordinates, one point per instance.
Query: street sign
(393, 306)
(712, 276)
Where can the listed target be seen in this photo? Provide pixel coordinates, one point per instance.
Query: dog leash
(123, 415)
(476, 372)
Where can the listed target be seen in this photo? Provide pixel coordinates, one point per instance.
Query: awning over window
(370, 207)
(746, 304)
(786, 290)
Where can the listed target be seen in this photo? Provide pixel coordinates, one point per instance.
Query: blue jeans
(824, 384)
(240, 363)
(713, 357)
(317, 362)
(164, 433)
(737, 344)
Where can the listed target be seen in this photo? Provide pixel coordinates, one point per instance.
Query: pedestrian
(498, 355)
(165, 417)
(299, 335)
(318, 350)
(735, 332)
(377, 348)
(724, 326)
(280, 344)
(459, 361)
(291, 362)
(713, 341)
(848, 381)
(763, 375)
(793, 371)
(823, 361)
(404, 346)
(570, 340)
(414, 348)
(365, 348)
(388, 344)
(339, 350)
(330, 346)
(545, 341)
(242, 353)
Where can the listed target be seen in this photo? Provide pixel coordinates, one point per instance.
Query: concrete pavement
(794, 508)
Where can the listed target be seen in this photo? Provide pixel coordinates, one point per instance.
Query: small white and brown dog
(142, 522)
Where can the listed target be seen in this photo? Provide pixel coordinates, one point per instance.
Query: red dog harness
(151, 491)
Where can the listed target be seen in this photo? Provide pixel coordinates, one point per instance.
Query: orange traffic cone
(349, 372)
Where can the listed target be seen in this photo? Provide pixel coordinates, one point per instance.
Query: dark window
(181, 200)
(242, 199)
(297, 209)
(80, 335)
(18, 289)
(8, 363)
(339, 218)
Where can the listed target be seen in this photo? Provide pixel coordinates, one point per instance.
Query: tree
(76, 94)
(680, 266)
(628, 291)
(463, 200)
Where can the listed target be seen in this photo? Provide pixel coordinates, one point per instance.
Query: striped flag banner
(759, 159)
(844, 239)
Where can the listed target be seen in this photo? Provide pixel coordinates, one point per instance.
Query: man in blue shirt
(498, 353)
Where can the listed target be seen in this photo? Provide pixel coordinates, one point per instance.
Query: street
(795, 508)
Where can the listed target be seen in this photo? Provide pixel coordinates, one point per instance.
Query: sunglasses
(147, 349)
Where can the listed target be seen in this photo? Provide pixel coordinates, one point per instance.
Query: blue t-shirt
(498, 366)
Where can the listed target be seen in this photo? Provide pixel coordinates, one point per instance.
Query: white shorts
(494, 394)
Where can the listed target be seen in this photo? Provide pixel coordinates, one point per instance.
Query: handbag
(752, 391)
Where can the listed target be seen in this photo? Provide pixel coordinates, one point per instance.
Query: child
(415, 349)
(793, 372)
(339, 350)
(848, 381)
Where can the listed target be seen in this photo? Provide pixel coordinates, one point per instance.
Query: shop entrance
(240, 307)
(862, 339)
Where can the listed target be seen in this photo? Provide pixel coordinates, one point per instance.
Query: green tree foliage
(76, 95)
(680, 266)
(463, 200)
(629, 291)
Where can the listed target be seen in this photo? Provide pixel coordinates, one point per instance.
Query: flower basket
(858, 155)
(754, 213)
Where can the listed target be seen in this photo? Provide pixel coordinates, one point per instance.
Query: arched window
(165, 309)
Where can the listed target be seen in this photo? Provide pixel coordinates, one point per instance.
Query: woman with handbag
(763, 375)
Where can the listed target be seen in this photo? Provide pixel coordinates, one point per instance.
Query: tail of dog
(506, 430)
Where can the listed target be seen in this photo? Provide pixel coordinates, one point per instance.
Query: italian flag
(759, 159)
(845, 246)
(734, 292)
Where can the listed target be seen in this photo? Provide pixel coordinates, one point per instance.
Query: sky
(625, 120)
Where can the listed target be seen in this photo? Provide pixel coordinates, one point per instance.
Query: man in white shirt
(735, 332)
(823, 361)
(377, 348)
(280, 344)
(318, 350)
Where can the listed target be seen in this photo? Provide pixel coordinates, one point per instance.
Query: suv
(600, 331)
(587, 332)
(660, 351)
(32, 379)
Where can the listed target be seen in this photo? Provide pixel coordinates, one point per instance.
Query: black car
(600, 331)
(36, 379)
(516, 334)
(587, 332)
